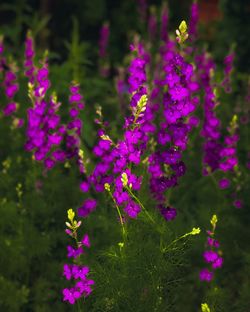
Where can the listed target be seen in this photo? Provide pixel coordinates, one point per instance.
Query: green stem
(176, 240)
(165, 249)
(219, 194)
(78, 306)
(142, 206)
(214, 181)
(120, 216)
(169, 196)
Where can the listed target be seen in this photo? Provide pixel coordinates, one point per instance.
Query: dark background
(223, 23)
(33, 244)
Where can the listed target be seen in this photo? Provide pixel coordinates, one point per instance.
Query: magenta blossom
(224, 183)
(206, 275)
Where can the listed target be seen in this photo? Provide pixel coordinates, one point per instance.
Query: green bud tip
(121, 245)
(141, 105)
(205, 307)
(183, 27)
(71, 215)
(195, 231)
(124, 179)
(214, 220)
(181, 32)
(105, 137)
(107, 187)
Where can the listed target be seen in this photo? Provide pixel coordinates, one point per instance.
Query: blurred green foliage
(33, 243)
(235, 28)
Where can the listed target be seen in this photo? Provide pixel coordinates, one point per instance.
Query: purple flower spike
(194, 17)
(103, 41)
(212, 257)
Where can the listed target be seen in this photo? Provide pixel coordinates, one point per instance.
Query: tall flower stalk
(212, 255)
(79, 273)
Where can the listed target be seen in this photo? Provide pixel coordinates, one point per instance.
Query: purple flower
(74, 253)
(169, 213)
(194, 121)
(44, 130)
(1, 46)
(29, 58)
(217, 263)
(18, 122)
(228, 62)
(179, 168)
(11, 90)
(11, 87)
(49, 163)
(238, 203)
(210, 256)
(73, 130)
(137, 74)
(67, 271)
(59, 155)
(132, 209)
(55, 138)
(84, 186)
(85, 241)
(224, 183)
(212, 242)
(87, 207)
(73, 112)
(178, 93)
(75, 97)
(206, 275)
(82, 286)
(120, 196)
(79, 272)
(68, 295)
(10, 109)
